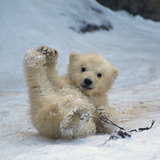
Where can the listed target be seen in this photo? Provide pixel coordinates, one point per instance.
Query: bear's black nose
(87, 81)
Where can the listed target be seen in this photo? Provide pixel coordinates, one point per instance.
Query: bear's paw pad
(77, 119)
(51, 54)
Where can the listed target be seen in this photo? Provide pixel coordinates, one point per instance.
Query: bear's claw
(51, 54)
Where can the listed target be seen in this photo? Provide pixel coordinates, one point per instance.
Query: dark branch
(122, 133)
(106, 120)
(143, 129)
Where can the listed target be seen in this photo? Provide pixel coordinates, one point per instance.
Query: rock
(149, 9)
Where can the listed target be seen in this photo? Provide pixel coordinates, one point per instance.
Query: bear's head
(91, 73)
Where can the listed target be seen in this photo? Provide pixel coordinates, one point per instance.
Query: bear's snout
(87, 82)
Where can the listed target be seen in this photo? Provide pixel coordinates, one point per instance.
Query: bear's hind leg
(47, 120)
(77, 123)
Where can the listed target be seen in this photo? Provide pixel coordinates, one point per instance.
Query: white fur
(60, 106)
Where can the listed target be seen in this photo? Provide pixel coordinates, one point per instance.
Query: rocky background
(149, 9)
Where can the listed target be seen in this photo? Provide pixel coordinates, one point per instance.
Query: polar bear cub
(64, 106)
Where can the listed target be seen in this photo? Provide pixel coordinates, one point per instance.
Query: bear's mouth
(86, 87)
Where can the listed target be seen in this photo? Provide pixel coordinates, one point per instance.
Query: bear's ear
(73, 57)
(115, 72)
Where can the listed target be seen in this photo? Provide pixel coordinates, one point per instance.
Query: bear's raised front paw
(34, 59)
(51, 54)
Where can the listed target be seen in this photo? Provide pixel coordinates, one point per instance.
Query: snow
(133, 46)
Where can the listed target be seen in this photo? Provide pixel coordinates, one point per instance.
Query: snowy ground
(133, 46)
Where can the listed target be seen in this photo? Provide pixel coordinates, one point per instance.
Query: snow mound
(137, 107)
(130, 43)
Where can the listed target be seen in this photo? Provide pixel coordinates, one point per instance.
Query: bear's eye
(83, 69)
(99, 75)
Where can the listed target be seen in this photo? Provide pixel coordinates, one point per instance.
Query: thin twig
(143, 129)
(106, 120)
